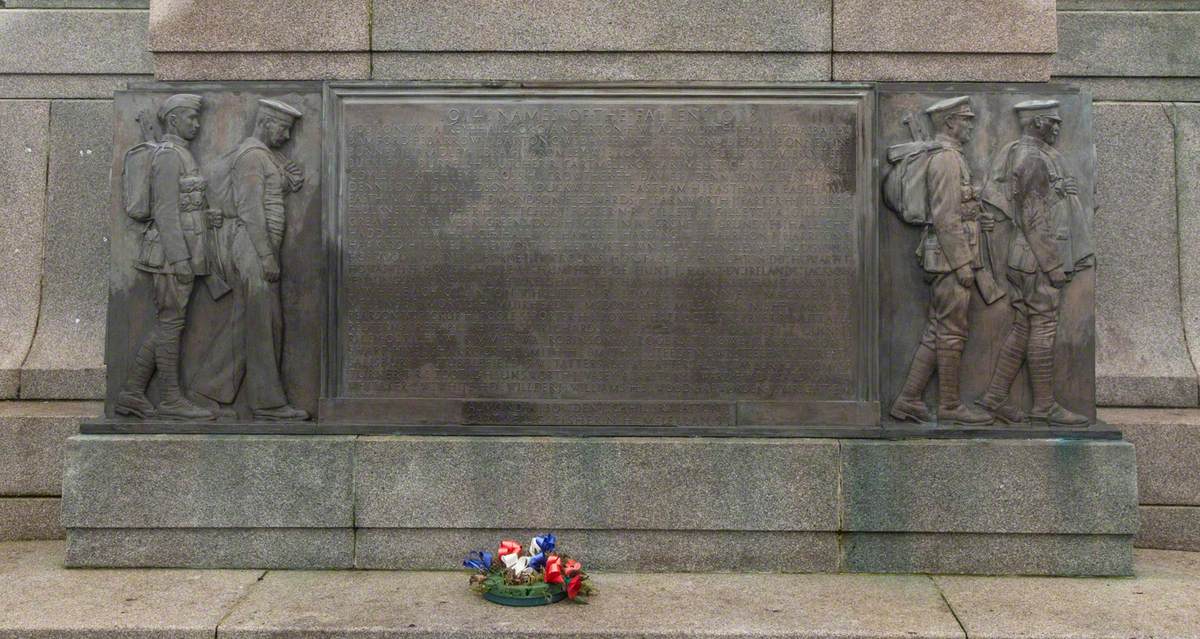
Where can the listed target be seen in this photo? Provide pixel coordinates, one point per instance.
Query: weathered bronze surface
(603, 259)
(600, 256)
(216, 278)
(1025, 322)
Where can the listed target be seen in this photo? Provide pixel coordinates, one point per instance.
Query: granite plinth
(640, 503)
(33, 442)
(230, 482)
(615, 550)
(264, 548)
(983, 554)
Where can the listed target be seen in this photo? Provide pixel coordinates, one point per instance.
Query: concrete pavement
(40, 598)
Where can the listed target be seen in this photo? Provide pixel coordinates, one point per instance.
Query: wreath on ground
(535, 575)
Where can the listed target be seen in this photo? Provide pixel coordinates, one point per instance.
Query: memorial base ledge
(980, 505)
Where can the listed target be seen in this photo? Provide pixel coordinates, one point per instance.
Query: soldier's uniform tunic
(950, 242)
(1030, 184)
(175, 233)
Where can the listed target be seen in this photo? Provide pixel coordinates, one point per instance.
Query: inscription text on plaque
(600, 257)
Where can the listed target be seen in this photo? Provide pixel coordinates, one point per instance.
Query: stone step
(1167, 445)
(33, 440)
(40, 598)
(33, 437)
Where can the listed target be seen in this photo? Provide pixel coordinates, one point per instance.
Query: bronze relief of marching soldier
(935, 191)
(165, 191)
(1031, 184)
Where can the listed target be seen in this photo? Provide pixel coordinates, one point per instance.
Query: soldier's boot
(908, 405)
(132, 401)
(1041, 376)
(995, 399)
(174, 405)
(285, 413)
(951, 411)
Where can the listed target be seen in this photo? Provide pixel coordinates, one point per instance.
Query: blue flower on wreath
(478, 560)
(542, 544)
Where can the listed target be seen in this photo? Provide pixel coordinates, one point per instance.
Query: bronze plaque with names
(600, 256)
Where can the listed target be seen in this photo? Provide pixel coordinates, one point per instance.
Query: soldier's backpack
(135, 171)
(905, 190)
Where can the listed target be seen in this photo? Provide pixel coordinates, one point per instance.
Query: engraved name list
(599, 248)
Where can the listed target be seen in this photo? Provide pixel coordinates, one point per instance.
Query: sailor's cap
(280, 110)
(179, 100)
(1048, 108)
(960, 105)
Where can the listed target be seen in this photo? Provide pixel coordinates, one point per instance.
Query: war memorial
(783, 287)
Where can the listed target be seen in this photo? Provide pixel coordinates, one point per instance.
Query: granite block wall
(1141, 61)
(60, 61)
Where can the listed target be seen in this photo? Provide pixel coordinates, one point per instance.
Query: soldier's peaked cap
(177, 101)
(1038, 107)
(281, 110)
(960, 105)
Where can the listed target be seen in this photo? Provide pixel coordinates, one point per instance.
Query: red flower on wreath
(573, 586)
(572, 568)
(553, 573)
(508, 548)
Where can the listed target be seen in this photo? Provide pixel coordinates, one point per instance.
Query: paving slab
(78, 4)
(33, 441)
(438, 604)
(41, 599)
(66, 360)
(1160, 603)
